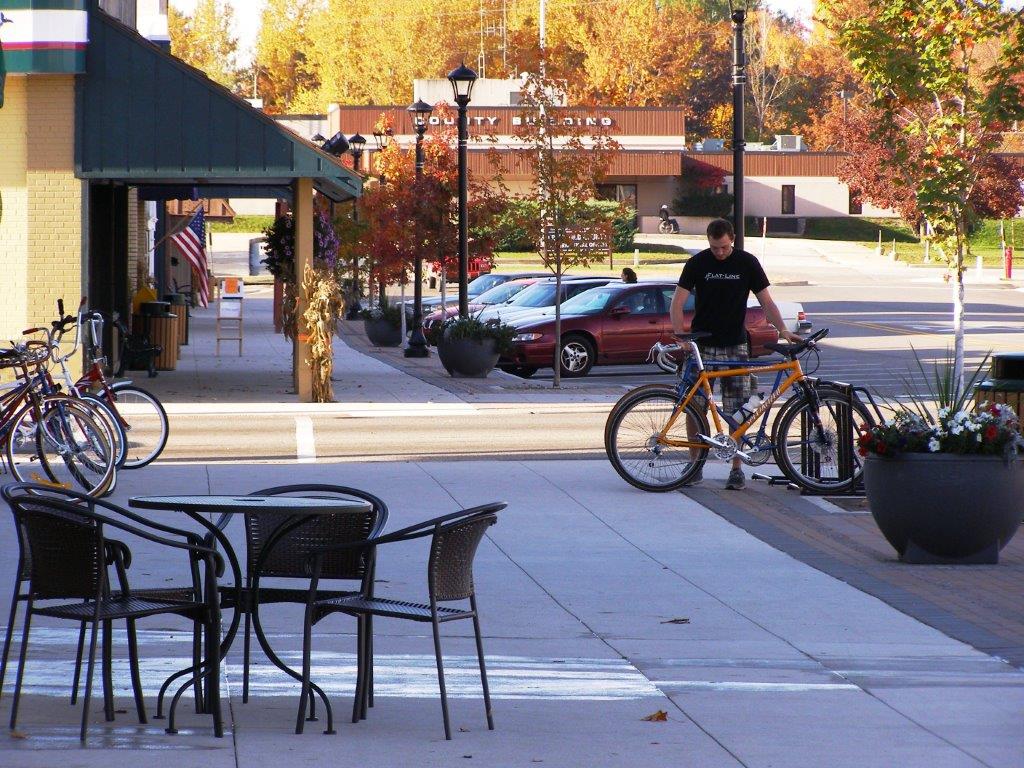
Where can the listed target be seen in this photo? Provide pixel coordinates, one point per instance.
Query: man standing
(722, 278)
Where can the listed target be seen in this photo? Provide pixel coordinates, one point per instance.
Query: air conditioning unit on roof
(789, 143)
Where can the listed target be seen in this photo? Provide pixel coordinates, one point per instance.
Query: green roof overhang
(145, 118)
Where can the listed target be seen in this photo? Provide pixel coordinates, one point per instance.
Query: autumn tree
(204, 40)
(566, 161)
(774, 49)
(920, 60)
(280, 67)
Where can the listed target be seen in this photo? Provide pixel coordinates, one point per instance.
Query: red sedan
(614, 324)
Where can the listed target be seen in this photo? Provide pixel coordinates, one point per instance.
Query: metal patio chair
(282, 553)
(453, 544)
(64, 544)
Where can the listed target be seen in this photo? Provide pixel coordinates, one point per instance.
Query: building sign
(493, 121)
(44, 36)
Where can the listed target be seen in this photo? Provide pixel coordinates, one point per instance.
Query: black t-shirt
(721, 289)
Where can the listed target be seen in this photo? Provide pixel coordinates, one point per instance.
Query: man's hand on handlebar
(789, 336)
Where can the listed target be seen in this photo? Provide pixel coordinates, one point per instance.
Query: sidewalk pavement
(600, 606)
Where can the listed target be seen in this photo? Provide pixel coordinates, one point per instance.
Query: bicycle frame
(787, 372)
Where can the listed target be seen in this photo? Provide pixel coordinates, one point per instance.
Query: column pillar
(303, 212)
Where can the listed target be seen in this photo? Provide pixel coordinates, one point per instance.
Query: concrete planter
(945, 508)
(382, 333)
(467, 358)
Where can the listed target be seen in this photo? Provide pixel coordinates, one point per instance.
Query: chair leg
(483, 668)
(246, 641)
(369, 661)
(361, 663)
(133, 661)
(197, 662)
(213, 686)
(88, 680)
(78, 663)
(21, 665)
(108, 672)
(8, 638)
(440, 679)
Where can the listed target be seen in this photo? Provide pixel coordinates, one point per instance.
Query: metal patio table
(295, 511)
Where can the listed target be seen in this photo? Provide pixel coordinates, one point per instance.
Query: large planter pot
(467, 358)
(382, 333)
(943, 508)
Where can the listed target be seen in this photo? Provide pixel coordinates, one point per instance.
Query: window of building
(788, 199)
(856, 204)
(619, 193)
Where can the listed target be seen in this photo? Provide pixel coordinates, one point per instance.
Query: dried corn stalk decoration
(320, 319)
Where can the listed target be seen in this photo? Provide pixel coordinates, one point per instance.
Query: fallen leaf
(463, 730)
(677, 621)
(660, 716)
(18, 735)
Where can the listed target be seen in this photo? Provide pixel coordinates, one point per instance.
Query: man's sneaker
(736, 481)
(697, 479)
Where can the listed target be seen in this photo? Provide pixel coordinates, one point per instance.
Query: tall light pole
(355, 148)
(420, 112)
(739, 79)
(462, 79)
(381, 139)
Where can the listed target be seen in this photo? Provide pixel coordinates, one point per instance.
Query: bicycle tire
(629, 395)
(801, 459)
(70, 446)
(629, 441)
(117, 433)
(145, 423)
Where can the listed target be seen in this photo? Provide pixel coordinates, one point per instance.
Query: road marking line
(305, 442)
(759, 687)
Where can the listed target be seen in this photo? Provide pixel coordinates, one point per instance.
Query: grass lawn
(651, 258)
(243, 224)
(985, 242)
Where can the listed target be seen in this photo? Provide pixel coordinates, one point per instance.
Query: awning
(145, 118)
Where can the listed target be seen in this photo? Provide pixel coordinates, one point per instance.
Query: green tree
(567, 160)
(204, 40)
(920, 58)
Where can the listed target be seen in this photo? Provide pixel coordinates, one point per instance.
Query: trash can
(161, 326)
(256, 255)
(1005, 383)
(179, 305)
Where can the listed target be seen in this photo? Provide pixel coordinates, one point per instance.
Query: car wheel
(577, 357)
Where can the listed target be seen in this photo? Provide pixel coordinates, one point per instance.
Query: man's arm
(676, 310)
(771, 312)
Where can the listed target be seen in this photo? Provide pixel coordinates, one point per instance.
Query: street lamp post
(355, 148)
(739, 79)
(420, 112)
(381, 139)
(462, 79)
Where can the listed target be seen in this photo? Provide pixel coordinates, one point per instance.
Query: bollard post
(1008, 262)
(636, 257)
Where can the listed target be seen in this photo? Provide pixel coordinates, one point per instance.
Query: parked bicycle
(140, 417)
(658, 436)
(51, 438)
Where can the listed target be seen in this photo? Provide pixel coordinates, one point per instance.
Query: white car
(792, 314)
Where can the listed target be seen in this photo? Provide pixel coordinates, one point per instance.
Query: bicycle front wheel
(63, 443)
(808, 448)
(635, 451)
(117, 433)
(144, 420)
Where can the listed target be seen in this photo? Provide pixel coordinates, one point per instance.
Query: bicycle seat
(694, 336)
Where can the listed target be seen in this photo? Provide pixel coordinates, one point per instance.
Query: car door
(632, 324)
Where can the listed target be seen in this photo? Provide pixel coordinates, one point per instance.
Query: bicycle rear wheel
(144, 420)
(61, 442)
(631, 441)
(807, 442)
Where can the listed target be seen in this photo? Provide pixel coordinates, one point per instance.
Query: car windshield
(589, 302)
(537, 295)
(484, 283)
(500, 293)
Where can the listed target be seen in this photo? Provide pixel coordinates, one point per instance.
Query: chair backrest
(450, 566)
(289, 555)
(63, 551)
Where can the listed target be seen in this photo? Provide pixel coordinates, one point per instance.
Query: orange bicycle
(658, 437)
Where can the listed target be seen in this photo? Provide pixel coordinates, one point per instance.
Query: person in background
(628, 275)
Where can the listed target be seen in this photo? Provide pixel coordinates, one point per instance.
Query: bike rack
(845, 438)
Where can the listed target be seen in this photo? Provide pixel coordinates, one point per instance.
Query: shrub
(713, 204)
(456, 328)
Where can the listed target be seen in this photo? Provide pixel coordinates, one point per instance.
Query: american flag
(191, 241)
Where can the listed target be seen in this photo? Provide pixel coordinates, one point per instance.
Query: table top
(295, 505)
